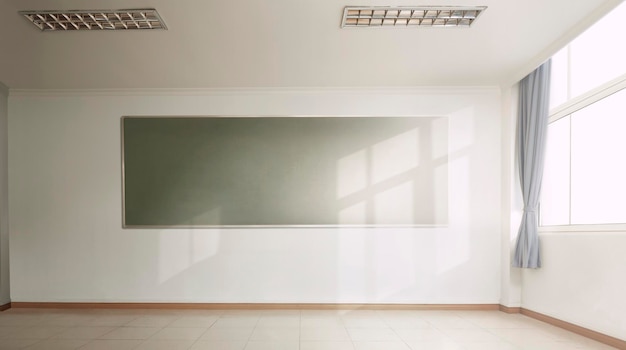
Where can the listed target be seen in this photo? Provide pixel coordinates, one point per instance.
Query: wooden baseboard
(252, 306)
(585, 332)
(510, 310)
(5, 307)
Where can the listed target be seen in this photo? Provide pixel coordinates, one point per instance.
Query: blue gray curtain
(532, 127)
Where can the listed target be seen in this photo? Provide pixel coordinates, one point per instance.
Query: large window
(585, 174)
(592, 59)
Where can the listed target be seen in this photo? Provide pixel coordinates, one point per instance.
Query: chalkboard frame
(125, 225)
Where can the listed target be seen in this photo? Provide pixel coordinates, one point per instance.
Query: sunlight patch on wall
(351, 173)
(212, 215)
(356, 213)
(400, 180)
(395, 205)
(352, 257)
(453, 247)
(180, 249)
(395, 268)
(440, 197)
(464, 130)
(395, 156)
(439, 145)
(352, 247)
(174, 253)
(203, 245)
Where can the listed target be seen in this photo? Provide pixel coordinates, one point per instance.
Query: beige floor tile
(111, 320)
(228, 334)
(326, 334)
(407, 322)
(522, 336)
(372, 334)
(281, 313)
(429, 314)
(434, 345)
(551, 345)
(10, 330)
(362, 313)
(276, 333)
(200, 313)
(194, 322)
(219, 345)
(17, 320)
(326, 345)
(471, 335)
(10, 344)
(396, 313)
(364, 322)
(152, 321)
(381, 345)
(70, 320)
(37, 332)
(321, 322)
(279, 321)
(139, 333)
(594, 345)
(242, 313)
(451, 322)
(111, 344)
(83, 333)
(488, 346)
(420, 334)
(322, 313)
(179, 333)
(165, 345)
(58, 344)
(494, 321)
(244, 321)
(272, 345)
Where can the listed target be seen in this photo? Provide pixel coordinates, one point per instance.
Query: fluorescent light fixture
(95, 19)
(427, 16)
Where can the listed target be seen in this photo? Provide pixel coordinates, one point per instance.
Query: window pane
(597, 55)
(555, 186)
(598, 166)
(558, 78)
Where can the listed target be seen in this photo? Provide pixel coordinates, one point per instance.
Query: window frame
(566, 109)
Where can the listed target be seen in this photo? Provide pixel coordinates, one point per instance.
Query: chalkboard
(284, 171)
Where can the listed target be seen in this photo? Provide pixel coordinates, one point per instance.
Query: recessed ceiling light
(95, 19)
(435, 16)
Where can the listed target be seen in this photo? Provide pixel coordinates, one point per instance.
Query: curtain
(532, 127)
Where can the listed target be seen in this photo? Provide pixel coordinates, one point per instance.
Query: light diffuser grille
(429, 16)
(95, 19)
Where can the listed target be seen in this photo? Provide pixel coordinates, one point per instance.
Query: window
(584, 179)
(589, 61)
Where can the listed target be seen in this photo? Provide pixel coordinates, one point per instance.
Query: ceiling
(285, 43)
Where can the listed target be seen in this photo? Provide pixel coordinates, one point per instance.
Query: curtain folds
(532, 127)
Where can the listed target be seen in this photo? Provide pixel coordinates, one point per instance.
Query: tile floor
(36, 329)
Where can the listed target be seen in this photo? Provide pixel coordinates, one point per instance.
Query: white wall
(582, 280)
(4, 209)
(65, 206)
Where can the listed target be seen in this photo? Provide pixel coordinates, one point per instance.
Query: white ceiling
(285, 43)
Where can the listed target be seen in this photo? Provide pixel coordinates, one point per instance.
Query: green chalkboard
(284, 171)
